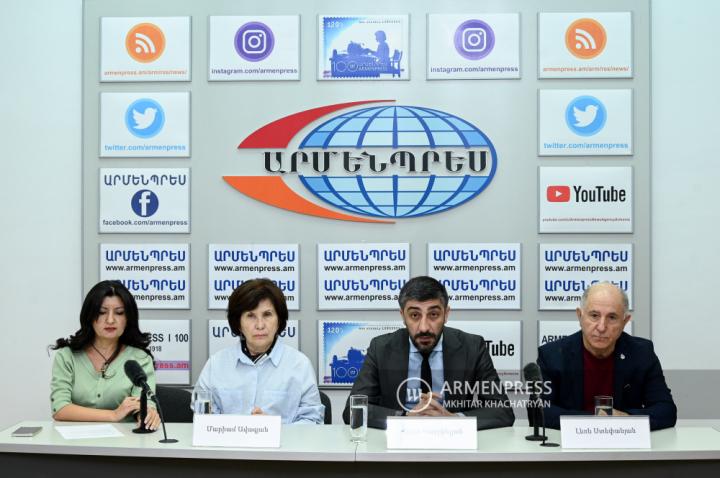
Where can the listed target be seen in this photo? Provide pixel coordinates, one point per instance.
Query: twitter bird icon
(582, 117)
(144, 118)
(585, 115)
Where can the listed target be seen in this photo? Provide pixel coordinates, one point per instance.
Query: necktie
(425, 373)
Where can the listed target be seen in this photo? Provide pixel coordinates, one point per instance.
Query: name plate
(605, 432)
(431, 433)
(245, 431)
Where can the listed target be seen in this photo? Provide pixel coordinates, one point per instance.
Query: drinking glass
(603, 403)
(358, 417)
(201, 402)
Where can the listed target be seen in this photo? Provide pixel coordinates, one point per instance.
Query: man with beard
(427, 369)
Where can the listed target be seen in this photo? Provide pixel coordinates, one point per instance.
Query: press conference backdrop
(681, 288)
(513, 117)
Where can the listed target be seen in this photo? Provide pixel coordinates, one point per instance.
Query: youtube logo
(558, 193)
(585, 199)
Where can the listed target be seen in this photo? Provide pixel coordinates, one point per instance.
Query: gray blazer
(466, 360)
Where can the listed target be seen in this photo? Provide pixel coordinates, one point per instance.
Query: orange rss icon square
(585, 38)
(145, 42)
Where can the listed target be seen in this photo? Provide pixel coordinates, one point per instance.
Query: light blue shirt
(414, 372)
(282, 383)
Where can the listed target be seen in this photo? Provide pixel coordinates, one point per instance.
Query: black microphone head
(532, 372)
(135, 373)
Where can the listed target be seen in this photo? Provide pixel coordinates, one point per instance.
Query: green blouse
(75, 380)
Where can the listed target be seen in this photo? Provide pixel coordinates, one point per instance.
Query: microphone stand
(545, 442)
(143, 413)
(533, 408)
(162, 421)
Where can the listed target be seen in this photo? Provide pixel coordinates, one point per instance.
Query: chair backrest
(175, 403)
(325, 400)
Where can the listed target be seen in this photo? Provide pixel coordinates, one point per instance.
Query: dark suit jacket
(639, 384)
(466, 360)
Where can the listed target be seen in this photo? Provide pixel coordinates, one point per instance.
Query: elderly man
(427, 369)
(601, 359)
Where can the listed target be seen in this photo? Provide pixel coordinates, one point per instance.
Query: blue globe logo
(396, 127)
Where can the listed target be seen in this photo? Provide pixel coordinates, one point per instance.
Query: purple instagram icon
(474, 39)
(254, 41)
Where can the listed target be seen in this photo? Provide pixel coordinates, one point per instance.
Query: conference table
(691, 449)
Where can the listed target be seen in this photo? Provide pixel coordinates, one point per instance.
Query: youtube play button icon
(558, 193)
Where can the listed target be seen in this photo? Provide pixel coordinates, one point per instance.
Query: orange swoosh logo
(272, 190)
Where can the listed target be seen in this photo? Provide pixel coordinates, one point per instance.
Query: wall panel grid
(541, 158)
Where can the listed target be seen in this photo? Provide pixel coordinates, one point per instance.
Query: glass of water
(201, 403)
(358, 417)
(603, 403)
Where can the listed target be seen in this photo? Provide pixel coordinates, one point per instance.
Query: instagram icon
(474, 39)
(254, 41)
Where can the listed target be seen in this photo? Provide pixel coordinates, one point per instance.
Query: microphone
(138, 377)
(533, 374)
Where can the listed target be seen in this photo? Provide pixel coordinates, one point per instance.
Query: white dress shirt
(281, 383)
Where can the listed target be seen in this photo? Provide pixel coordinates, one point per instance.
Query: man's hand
(257, 411)
(429, 406)
(615, 413)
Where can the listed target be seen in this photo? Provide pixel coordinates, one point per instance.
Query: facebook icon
(145, 203)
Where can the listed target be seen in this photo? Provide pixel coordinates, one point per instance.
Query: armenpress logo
(145, 42)
(585, 115)
(474, 39)
(413, 393)
(144, 203)
(144, 118)
(254, 41)
(394, 162)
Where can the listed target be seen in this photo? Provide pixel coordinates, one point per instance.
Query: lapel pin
(622, 356)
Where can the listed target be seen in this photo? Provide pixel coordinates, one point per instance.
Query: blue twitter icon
(585, 115)
(144, 118)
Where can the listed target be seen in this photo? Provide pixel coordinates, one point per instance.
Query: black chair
(175, 403)
(325, 400)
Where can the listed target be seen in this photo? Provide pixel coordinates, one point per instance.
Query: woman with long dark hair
(88, 380)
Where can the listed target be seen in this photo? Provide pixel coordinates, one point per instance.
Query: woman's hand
(257, 411)
(128, 406)
(152, 420)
